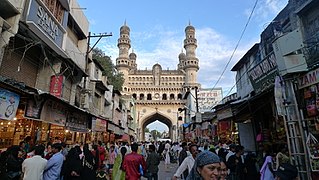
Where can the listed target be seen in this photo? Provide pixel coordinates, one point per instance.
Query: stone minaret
(191, 64)
(124, 44)
(182, 59)
(132, 57)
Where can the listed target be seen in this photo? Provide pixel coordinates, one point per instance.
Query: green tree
(155, 134)
(114, 78)
(147, 130)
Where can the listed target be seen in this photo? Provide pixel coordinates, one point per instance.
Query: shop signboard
(54, 112)
(262, 76)
(42, 19)
(99, 125)
(56, 85)
(9, 103)
(308, 79)
(33, 108)
(76, 122)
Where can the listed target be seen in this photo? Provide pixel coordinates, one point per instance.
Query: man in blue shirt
(53, 169)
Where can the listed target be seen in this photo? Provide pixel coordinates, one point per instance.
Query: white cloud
(214, 51)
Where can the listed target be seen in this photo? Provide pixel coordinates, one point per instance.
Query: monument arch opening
(157, 117)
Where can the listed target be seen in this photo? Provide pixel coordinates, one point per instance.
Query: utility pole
(88, 50)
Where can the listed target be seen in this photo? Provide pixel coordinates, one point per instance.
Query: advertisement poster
(34, 108)
(9, 102)
(56, 85)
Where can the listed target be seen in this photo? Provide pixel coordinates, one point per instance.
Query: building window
(164, 97)
(134, 96)
(179, 96)
(149, 96)
(97, 101)
(141, 96)
(171, 96)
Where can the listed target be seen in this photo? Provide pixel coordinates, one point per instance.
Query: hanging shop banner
(56, 85)
(98, 125)
(77, 122)
(54, 112)
(262, 76)
(9, 102)
(34, 107)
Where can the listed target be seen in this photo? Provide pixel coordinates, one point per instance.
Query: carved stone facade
(158, 92)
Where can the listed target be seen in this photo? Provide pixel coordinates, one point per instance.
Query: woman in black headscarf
(207, 166)
(14, 163)
(89, 164)
(72, 166)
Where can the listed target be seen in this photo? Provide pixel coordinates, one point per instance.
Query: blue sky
(157, 31)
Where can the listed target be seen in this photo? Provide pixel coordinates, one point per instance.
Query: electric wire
(241, 36)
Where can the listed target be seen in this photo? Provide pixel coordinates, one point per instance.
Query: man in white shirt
(231, 151)
(33, 167)
(188, 162)
(167, 153)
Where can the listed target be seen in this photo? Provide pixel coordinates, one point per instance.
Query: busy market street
(159, 90)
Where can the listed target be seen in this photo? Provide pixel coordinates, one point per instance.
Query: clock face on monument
(156, 96)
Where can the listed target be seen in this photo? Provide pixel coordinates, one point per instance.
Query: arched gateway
(158, 93)
(160, 117)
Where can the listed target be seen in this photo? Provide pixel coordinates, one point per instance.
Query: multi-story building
(278, 103)
(43, 61)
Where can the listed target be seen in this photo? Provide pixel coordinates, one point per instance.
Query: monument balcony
(174, 101)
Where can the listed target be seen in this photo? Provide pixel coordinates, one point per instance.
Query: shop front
(53, 119)
(115, 132)
(206, 131)
(99, 130)
(309, 96)
(14, 127)
(226, 130)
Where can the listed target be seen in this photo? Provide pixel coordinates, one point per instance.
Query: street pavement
(166, 173)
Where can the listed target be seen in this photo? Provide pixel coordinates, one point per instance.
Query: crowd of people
(121, 160)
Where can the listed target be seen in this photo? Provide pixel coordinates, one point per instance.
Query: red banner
(56, 85)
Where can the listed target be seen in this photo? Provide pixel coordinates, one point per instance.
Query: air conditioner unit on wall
(289, 57)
